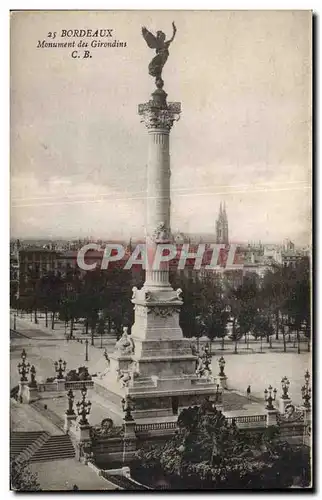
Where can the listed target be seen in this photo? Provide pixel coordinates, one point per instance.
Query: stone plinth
(70, 420)
(82, 433)
(23, 393)
(119, 362)
(129, 438)
(283, 403)
(271, 417)
(31, 393)
(222, 381)
(60, 384)
(307, 432)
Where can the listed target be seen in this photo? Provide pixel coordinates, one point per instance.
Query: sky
(79, 151)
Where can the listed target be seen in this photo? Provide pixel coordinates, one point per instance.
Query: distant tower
(222, 226)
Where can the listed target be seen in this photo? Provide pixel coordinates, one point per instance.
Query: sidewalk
(59, 331)
(62, 475)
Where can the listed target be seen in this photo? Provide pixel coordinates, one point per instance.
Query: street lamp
(86, 350)
(14, 321)
(60, 368)
(221, 363)
(83, 407)
(269, 398)
(71, 397)
(46, 316)
(306, 391)
(32, 382)
(106, 356)
(285, 385)
(23, 367)
(128, 407)
(101, 326)
(217, 395)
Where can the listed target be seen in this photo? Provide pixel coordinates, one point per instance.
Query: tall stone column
(160, 369)
(157, 304)
(158, 117)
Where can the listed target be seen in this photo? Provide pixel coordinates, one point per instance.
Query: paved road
(43, 348)
(257, 369)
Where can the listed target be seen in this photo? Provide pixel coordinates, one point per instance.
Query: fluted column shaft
(158, 181)
(158, 117)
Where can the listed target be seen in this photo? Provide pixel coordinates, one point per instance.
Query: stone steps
(56, 448)
(28, 452)
(20, 441)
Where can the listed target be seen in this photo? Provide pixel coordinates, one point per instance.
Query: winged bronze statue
(161, 46)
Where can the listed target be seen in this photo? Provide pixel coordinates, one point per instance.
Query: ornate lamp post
(86, 350)
(83, 407)
(71, 397)
(285, 385)
(46, 316)
(60, 368)
(217, 393)
(206, 358)
(106, 356)
(128, 407)
(101, 326)
(32, 382)
(221, 363)
(23, 367)
(269, 398)
(306, 391)
(228, 312)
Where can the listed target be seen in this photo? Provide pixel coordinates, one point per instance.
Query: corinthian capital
(159, 117)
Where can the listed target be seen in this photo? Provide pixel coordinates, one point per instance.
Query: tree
(285, 296)
(209, 453)
(299, 300)
(51, 288)
(242, 306)
(262, 327)
(22, 479)
(70, 305)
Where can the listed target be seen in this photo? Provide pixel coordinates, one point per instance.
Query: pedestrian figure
(248, 392)
(75, 487)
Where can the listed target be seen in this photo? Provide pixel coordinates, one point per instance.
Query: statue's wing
(149, 38)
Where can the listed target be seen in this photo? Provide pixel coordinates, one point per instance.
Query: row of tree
(277, 306)
(101, 299)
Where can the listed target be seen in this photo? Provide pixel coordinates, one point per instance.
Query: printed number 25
(52, 34)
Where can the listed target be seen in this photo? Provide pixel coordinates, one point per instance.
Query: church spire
(222, 225)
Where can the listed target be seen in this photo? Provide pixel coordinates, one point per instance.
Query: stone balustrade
(248, 420)
(74, 385)
(157, 426)
(78, 385)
